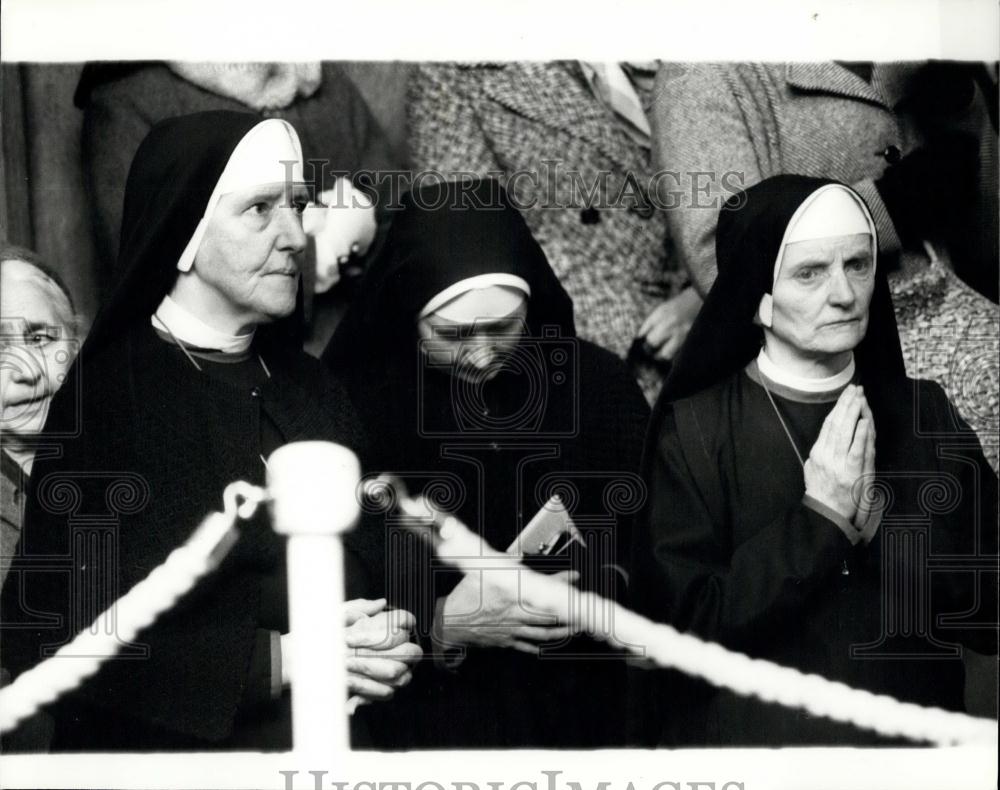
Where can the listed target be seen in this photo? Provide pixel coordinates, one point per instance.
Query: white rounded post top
(313, 488)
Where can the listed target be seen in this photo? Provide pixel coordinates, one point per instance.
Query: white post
(313, 488)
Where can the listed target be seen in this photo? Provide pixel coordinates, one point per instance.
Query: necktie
(612, 86)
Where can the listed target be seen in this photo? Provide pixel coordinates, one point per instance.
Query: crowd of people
(758, 408)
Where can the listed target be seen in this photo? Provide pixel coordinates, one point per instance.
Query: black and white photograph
(548, 397)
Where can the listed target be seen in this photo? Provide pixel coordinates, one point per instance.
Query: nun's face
(821, 298)
(473, 351)
(246, 257)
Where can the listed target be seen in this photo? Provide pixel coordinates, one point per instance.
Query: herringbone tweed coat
(819, 119)
(539, 129)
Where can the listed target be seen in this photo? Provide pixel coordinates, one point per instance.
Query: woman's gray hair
(12, 252)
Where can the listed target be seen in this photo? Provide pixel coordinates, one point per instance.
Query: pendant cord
(178, 342)
(188, 354)
(781, 419)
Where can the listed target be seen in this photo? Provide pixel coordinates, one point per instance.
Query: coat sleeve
(445, 133)
(113, 128)
(705, 138)
(707, 585)
(375, 152)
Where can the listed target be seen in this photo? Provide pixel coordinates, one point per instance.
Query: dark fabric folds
(147, 444)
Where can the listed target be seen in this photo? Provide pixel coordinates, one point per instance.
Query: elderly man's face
(37, 345)
(246, 256)
(821, 297)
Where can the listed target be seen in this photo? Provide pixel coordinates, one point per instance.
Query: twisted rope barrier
(658, 644)
(664, 647)
(137, 609)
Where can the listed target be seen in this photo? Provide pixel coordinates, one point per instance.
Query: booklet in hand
(550, 533)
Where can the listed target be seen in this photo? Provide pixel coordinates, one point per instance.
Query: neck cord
(187, 353)
(781, 419)
(177, 342)
(844, 569)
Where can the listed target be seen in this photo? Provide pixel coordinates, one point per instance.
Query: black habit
(564, 416)
(147, 449)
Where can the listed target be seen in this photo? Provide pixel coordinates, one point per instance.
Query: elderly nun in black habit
(801, 485)
(189, 379)
(462, 359)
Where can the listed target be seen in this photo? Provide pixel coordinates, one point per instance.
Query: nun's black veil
(169, 185)
(724, 337)
(179, 443)
(443, 233)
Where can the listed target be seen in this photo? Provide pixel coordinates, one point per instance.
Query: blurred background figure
(571, 143)
(918, 141)
(38, 341)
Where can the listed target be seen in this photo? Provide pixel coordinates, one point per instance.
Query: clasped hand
(380, 653)
(843, 454)
(490, 608)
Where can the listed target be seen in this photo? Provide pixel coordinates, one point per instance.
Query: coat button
(495, 447)
(255, 392)
(589, 216)
(892, 154)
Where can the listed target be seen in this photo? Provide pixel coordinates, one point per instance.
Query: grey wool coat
(539, 129)
(820, 119)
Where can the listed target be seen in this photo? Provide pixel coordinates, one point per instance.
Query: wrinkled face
(37, 346)
(246, 255)
(474, 351)
(821, 297)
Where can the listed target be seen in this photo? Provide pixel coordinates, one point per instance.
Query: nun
(189, 379)
(801, 486)
(461, 355)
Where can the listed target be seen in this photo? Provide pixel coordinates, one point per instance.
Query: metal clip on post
(313, 501)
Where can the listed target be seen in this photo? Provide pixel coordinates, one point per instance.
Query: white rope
(666, 647)
(137, 609)
(585, 612)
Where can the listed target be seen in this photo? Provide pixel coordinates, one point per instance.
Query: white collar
(187, 328)
(778, 375)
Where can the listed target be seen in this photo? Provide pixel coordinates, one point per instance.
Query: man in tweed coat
(852, 123)
(580, 180)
